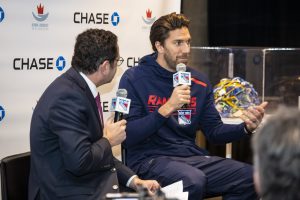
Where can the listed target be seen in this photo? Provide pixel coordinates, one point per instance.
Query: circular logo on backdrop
(115, 19)
(40, 16)
(60, 63)
(1, 14)
(148, 19)
(2, 113)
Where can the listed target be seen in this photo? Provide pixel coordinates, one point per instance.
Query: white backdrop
(33, 45)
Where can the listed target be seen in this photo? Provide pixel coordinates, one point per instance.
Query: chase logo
(96, 18)
(115, 19)
(39, 63)
(2, 113)
(149, 19)
(40, 14)
(1, 14)
(60, 63)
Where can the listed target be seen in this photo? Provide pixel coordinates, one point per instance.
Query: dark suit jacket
(69, 157)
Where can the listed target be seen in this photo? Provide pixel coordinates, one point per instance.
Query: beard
(173, 62)
(170, 62)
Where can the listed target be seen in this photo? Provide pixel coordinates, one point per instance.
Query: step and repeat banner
(36, 46)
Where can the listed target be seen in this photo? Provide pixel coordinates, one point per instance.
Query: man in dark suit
(71, 156)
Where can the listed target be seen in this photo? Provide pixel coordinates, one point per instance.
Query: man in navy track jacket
(158, 146)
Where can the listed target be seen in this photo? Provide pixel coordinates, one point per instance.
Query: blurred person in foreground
(277, 156)
(158, 146)
(71, 155)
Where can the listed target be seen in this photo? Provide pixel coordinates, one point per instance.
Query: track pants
(203, 176)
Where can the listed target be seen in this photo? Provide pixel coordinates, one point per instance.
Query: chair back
(14, 176)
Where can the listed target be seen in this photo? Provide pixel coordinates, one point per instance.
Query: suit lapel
(73, 74)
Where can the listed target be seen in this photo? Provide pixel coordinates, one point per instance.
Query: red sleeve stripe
(199, 82)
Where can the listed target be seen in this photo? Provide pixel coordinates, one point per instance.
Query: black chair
(14, 176)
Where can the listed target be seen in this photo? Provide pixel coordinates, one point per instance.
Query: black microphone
(119, 93)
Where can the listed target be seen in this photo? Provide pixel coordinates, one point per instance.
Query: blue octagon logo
(2, 113)
(60, 63)
(115, 19)
(1, 14)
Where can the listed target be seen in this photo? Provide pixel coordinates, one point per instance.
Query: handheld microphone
(122, 104)
(181, 77)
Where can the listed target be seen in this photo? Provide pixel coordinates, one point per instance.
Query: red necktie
(98, 102)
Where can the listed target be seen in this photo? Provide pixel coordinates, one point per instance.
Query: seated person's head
(277, 156)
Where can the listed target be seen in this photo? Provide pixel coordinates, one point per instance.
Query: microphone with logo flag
(122, 104)
(181, 77)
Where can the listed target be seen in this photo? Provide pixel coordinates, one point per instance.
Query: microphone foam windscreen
(180, 67)
(121, 93)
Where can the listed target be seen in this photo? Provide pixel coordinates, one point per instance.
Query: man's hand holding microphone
(114, 129)
(115, 132)
(181, 94)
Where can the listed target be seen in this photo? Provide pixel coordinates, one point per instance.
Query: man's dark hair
(92, 48)
(277, 156)
(162, 26)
